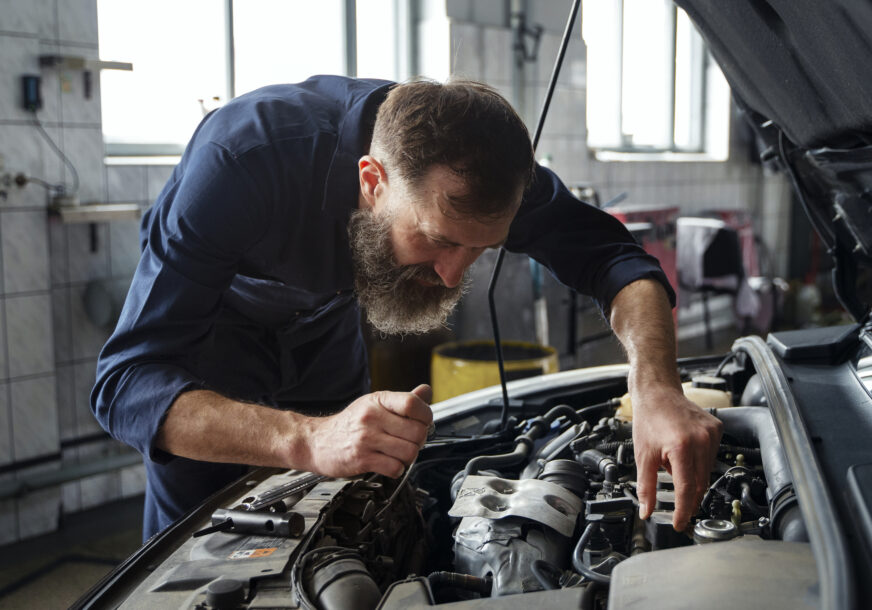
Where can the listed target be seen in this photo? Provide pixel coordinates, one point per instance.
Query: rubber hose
(564, 410)
(791, 526)
(602, 462)
(754, 425)
(578, 561)
(460, 581)
(545, 573)
(514, 457)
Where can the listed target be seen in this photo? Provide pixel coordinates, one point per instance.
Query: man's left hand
(671, 431)
(668, 429)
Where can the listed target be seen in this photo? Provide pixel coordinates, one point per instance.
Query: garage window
(652, 87)
(189, 57)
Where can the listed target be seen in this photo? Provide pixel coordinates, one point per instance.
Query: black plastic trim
(114, 588)
(860, 488)
(834, 566)
(826, 345)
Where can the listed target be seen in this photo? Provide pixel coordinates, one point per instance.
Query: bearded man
(240, 342)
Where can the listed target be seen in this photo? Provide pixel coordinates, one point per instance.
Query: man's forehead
(447, 190)
(461, 230)
(443, 186)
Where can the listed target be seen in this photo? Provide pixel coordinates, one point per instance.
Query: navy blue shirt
(245, 282)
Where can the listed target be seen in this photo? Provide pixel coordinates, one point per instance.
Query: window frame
(405, 61)
(699, 87)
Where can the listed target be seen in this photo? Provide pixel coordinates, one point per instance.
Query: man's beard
(395, 303)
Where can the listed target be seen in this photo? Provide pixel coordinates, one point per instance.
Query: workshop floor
(54, 570)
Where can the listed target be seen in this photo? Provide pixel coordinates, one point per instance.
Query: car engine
(542, 513)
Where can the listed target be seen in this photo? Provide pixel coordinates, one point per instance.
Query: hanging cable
(38, 181)
(567, 34)
(61, 187)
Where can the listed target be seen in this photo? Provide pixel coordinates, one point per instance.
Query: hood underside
(800, 69)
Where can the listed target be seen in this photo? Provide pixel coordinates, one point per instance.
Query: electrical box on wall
(31, 95)
(87, 66)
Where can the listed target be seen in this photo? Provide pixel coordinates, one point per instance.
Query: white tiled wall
(25, 251)
(48, 346)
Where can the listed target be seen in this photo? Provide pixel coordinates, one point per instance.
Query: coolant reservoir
(706, 398)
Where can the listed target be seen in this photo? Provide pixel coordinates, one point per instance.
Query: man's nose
(451, 265)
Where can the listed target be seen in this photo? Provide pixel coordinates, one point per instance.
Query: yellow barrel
(460, 367)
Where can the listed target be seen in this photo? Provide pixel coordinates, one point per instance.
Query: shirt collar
(355, 132)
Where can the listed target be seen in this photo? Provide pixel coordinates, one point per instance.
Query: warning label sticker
(251, 553)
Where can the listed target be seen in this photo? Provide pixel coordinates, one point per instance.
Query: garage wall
(48, 346)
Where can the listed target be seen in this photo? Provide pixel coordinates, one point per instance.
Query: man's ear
(372, 176)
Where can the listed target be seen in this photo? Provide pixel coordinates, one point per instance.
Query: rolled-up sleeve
(583, 246)
(205, 220)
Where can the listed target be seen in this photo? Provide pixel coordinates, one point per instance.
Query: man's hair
(463, 125)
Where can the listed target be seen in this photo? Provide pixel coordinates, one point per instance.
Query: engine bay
(542, 514)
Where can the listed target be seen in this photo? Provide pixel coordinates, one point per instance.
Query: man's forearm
(207, 426)
(642, 319)
(668, 429)
(380, 432)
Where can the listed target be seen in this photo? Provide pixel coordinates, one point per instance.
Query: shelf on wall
(98, 212)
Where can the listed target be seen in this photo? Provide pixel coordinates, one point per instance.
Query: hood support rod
(567, 34)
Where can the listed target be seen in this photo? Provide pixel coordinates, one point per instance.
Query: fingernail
(643, 510)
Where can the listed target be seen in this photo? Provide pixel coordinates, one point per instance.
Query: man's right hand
(379, 432)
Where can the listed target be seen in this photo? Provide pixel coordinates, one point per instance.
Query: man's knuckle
(646, 458)
(682, 446)
(370, 463)
(368, 417)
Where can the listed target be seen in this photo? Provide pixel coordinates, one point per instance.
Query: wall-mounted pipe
(66, 474)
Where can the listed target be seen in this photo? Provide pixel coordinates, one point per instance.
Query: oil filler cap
(225, 594)
(714, 530)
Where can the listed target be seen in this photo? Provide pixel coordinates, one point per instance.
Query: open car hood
(800, 69)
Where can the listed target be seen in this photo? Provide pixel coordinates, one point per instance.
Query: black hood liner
(804, 64)
(835, 186)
